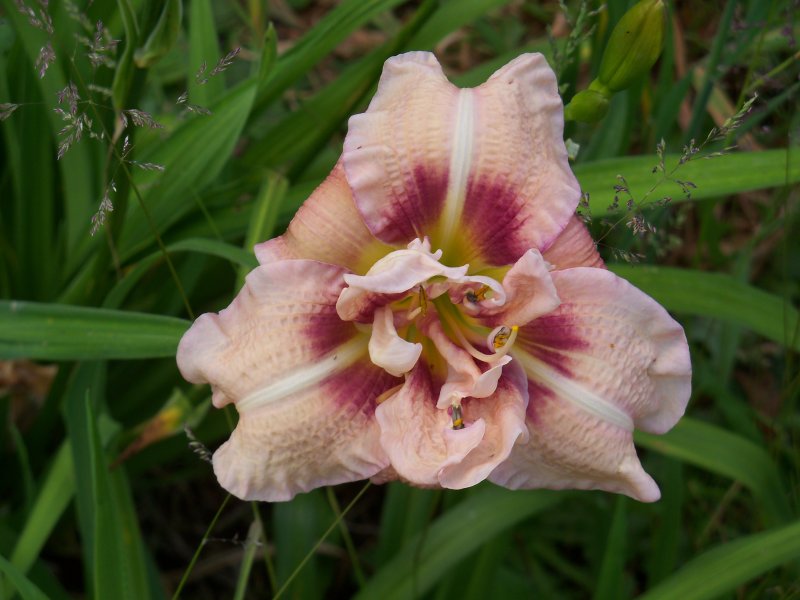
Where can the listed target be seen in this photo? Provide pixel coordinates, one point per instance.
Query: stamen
(479, 295)
(458, 417)
(502, 338)
(388, 393)
(423, 301)
(472, 350)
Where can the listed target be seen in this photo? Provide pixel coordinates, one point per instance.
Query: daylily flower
(435, 312)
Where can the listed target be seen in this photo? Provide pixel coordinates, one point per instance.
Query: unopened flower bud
(587, 106)
(634, 45)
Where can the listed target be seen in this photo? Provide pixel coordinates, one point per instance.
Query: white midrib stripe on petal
(460, 163)
(572, 391)
(307, 376)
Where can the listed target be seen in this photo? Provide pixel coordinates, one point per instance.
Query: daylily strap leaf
(483, 171)
(300, 378)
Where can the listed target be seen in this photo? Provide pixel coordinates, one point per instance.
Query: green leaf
(124, 73)
(449, 17)
(721, 570)
(328, 32)
(60, 332)
(238, 256)
(610, 580)
(298, 525)
(192, 157)
(718, 296)
(269, 56)
(420, 563)
(26, 589)
(55, 494)
(714, 449)
(251, 546)
(246, 260)
(203, 48)
(300, 136)
(79, 181)
(406, 511)
(164, 35)
(263, 219)
(721, 176)
(118, 565)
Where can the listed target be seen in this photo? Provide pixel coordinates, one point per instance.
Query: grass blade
(203, 49)
(60, 332)
(24, 586)
(118, 564)
(718, 296)
(716, 450)
(452, 537)
(610, 581)
(324, 37)
(192, 157)
(55, 495)
(251, 545)
(721, 176)
(726, 567)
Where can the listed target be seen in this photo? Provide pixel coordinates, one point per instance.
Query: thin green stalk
(200, 546)
(713, 62)
(764, 78)
(250, 548)
(160, 243)
(715, 519)
(145, 210)
(348, 541)
(324, 536)
(273, 579)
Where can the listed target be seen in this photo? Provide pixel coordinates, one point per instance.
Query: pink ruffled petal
(413, 432)
(608, 359)
(300, 378)
(504, 415)
(327, 228)
(391, 278)
(388, 350)
(574, 247)
(425, 450)
(530, 293)
(483, 172)
(397, 154)
(521, 192)
(464, 378)
(569, 448)
(323, 435)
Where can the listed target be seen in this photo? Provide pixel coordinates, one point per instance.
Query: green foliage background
(103, 494)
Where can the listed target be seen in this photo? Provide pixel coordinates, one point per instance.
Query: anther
(423, 300)
(458, 417)
(502, 336)
(478, 295)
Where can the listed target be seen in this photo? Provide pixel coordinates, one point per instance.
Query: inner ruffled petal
(391, 278)
(387, 349)
(530, 291)
(412, 431)
(464, 377)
